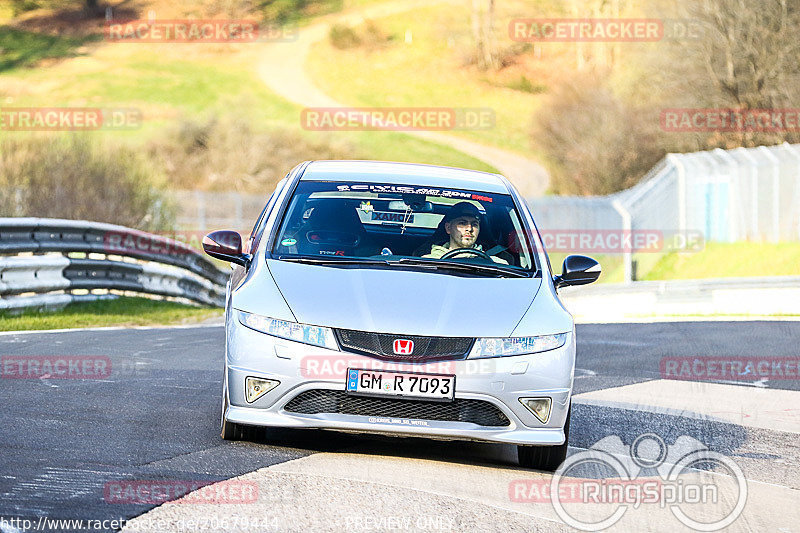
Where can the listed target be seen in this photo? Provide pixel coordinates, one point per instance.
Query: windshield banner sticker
(404, 189)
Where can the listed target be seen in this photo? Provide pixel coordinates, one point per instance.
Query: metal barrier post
(627, 255)
(776, 193)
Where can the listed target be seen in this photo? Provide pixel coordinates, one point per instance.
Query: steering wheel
(470, 251)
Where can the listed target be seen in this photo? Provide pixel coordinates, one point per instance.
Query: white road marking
(334, 488)
(594, 319)
(773, 409)
(761, 383)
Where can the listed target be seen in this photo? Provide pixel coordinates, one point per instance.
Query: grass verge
(420, 67)
(167, 84)
(122, 311)
(731, 260)
(716, 260)
(20, 48)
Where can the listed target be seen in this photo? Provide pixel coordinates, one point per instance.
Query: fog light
(540, 407)
(255, 388)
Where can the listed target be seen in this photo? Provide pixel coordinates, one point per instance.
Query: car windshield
(332, 221)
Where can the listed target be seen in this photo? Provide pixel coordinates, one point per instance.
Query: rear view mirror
(578, 270)
(225, 245)
(417, 207)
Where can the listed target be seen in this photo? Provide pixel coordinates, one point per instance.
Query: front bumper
(299, 368)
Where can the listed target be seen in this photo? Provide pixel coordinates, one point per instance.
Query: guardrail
(114, 258)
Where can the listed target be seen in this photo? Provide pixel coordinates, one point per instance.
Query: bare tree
(746, 58)
(749, 53)
(482, 18)
(595, 142)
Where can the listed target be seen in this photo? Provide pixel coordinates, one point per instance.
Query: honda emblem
(403, 346)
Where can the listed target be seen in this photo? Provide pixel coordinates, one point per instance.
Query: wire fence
(745, 194)
(207, 211)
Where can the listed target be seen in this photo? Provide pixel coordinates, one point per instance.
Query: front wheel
(230, 430)
(547, 458)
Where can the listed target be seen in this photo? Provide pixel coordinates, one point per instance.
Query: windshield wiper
(331, 259)
(469, 267)
(405, 261)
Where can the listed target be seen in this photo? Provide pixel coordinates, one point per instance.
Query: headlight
(318, 336)
(499, 347)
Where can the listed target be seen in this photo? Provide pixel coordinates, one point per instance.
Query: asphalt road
(156, 416)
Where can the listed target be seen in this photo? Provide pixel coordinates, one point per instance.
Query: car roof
(405, 174)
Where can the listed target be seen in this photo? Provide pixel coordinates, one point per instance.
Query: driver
(463, 224)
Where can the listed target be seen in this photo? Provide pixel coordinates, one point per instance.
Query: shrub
(343, 37)
(283, 11)
(373, 36)
(21, 6)
(525, 85)
(370, 36)
(594, 142)
(79, 177)
(225, 153)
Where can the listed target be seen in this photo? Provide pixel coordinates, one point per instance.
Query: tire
(546, 458)
(231, 430)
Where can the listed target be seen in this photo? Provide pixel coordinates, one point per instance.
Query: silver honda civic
(399, 299)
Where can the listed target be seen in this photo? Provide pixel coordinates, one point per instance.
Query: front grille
(318, 401)
(381, 346)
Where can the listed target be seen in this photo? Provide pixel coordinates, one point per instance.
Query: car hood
(403, 301)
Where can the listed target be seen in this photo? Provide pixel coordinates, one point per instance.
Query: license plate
(393, 384)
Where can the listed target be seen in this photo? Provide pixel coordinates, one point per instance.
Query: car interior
(333, 226)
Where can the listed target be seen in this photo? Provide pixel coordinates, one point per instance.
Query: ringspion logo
(688, 483)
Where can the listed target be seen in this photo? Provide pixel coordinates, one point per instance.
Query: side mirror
(225, 245)
(578, 270)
